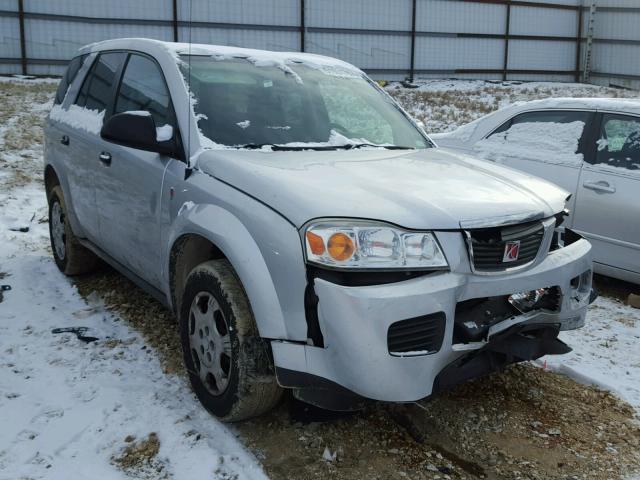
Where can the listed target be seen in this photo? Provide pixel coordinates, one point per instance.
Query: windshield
(242, 104)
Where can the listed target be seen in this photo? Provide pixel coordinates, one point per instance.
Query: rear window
(68, 78)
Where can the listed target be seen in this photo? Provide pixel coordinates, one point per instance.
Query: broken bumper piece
(516, 344)
(403, 341)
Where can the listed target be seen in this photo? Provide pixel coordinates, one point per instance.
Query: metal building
(390, 39)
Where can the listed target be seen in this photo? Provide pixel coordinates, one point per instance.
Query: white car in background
(590, 147)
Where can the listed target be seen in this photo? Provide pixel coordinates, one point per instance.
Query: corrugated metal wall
(391, 39)
(616, 43)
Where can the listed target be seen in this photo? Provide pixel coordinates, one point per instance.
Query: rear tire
(70, 256)
(229, 365)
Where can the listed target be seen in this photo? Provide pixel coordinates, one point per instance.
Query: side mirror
(138, 130)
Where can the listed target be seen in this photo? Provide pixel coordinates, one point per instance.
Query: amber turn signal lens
(340, 247)
(316, 244)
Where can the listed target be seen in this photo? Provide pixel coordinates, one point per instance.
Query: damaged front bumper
(372, 334)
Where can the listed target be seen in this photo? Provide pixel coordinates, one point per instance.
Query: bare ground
(524, 423)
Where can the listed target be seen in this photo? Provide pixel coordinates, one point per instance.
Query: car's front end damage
(423, 268)
(399, 340)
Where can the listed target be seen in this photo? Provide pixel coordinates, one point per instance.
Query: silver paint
(252, 205)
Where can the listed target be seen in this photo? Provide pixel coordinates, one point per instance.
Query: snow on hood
(462, 133)
(420, 189)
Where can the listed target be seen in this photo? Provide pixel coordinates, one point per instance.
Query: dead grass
(139, 458)
(23, 107)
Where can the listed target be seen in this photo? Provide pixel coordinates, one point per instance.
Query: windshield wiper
(284, 148)
(351, 146)
(297, 148)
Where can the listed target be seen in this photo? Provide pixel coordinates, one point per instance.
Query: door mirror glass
(138, 130)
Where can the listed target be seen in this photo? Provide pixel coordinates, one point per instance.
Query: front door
(608, 199)
(129, 187)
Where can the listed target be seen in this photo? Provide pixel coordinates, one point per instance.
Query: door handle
(64, 140)
(600, 186)
(105, 158)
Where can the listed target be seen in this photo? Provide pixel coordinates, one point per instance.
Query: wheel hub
(210, 343)
(58, 234)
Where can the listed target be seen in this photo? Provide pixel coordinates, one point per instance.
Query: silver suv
(304, 230)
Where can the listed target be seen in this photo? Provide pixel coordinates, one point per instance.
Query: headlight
(371, 246)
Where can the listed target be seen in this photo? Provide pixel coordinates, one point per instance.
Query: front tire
(70, 256)
(229, 365)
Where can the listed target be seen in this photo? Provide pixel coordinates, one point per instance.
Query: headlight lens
(370, 245)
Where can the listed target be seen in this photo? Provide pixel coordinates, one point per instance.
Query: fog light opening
(581, 289)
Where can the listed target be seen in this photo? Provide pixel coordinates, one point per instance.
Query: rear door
(82, 122)
(608, 201)
(56, 132)
(549, 144)
(129, 187)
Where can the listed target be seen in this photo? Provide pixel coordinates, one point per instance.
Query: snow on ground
(66, 406)
(605, 352)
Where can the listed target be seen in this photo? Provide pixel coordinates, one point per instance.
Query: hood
(416, 189)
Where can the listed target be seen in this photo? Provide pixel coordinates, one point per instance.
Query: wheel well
(50, 179)
(188, 252)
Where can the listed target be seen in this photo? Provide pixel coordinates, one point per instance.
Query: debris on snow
(79, 332)
(633, 300)
(328, 456)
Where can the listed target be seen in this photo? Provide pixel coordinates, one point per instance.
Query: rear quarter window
(67, 79)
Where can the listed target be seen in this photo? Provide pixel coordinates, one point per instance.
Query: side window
(543, 136)
(96, 91)
(68, 78)
(143, 89)
(619, 142)
(546, 116)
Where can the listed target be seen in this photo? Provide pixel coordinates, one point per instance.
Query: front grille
(488, 245)
(420, 335)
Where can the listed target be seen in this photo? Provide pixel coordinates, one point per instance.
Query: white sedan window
(619, 142)
(548, 142)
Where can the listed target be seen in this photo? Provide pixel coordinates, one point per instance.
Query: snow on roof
(263, 57)
(631, 105)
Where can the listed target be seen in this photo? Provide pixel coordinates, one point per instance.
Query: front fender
(260, 276)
